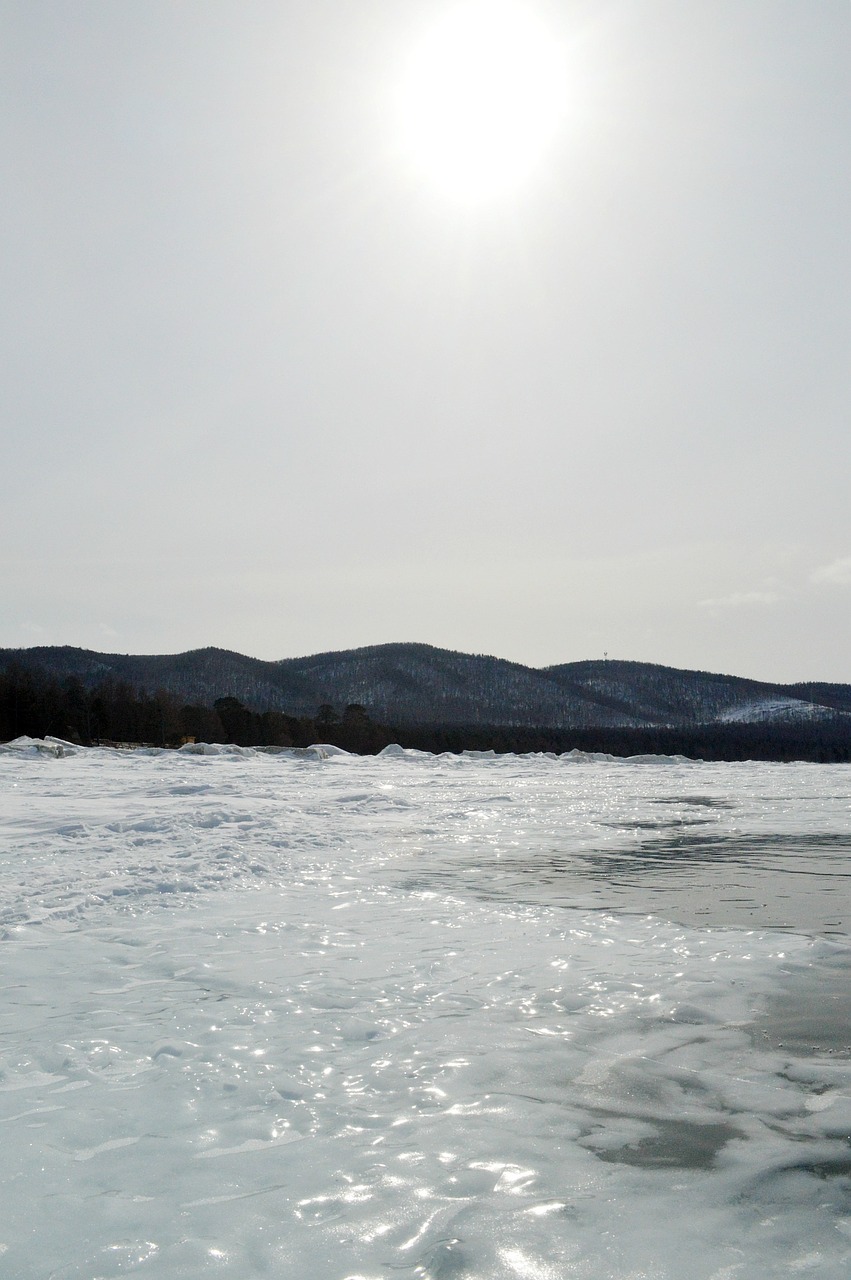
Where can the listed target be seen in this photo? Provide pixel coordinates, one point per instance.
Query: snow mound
(49, 746)
(603, 757)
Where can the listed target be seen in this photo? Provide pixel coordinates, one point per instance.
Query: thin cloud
(835, 574)
(741, 600)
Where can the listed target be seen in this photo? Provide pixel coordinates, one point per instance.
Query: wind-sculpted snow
(339, 1018)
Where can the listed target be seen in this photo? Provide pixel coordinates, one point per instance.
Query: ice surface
(337, 1018)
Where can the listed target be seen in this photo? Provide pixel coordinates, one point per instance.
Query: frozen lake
(344, 1018)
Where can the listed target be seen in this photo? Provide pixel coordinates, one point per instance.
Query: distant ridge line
(407, 683)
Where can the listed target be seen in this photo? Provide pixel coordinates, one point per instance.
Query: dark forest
(37, 704)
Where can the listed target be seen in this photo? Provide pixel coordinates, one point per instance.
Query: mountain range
(418, 684)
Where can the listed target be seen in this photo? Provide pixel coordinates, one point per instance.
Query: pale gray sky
(266, 385)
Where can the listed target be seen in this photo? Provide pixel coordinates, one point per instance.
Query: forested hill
(416, 684)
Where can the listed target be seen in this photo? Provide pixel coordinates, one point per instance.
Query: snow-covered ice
(775, 710)
(337, 1018)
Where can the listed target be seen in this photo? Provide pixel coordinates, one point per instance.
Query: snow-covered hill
(417, 684)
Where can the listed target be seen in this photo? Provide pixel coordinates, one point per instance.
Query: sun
(481, 99)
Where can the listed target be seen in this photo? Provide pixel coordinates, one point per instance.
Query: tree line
(825, 741)
(37, 704)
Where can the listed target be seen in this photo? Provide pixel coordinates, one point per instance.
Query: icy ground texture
(240, 1036)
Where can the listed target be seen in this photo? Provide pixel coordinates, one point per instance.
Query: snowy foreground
(325, 1017)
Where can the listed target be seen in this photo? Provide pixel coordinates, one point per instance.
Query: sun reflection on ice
(529, 1268)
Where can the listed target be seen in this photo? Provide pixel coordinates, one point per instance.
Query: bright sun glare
(481, 99)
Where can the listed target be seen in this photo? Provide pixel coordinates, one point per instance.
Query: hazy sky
(268, 384)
